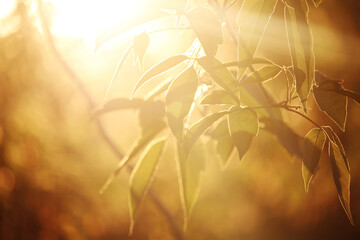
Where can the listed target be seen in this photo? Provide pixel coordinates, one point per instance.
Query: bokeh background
(53, 158)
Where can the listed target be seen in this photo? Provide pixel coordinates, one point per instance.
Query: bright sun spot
(82, 18)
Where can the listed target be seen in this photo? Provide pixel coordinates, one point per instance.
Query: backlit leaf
(341, 175)
(313, 146)
(301, 46)
(332, 103)
(218, 97)
(252, 20)
(140, 45)
(207, 28)
(243, 127)
(224, 142)
(142, 176)
(120, 103)
(198, 128)
(191, 165)
(159, 68)
(179, 99)
(263, 74)
(221, 75)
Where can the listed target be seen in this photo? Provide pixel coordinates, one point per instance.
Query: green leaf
(224, 142)
(301, 47)
(341, 175)
(292, 142)
(252, 20)
(218, 97)
(191, 166)
(159, 68)
(332, 103)
(207, 28)
(263, 74)
(198, 128)
(140, 45)
(313, 145)
(142, 176)
(317, 2)
(179, 99)
(120, 103)
(243, 127)
(221, 76)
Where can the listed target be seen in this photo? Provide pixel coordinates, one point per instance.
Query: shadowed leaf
(252, 20)
(313, 145)
(224, 142)
(218, 97)
(140, 45)
(120, 103)
(142, 176)
(301, 46)
(341, 175)
(263, 74)
(207, 28)
(221, 75)
(159, 68)
(179, 99)
(243, 127)
(331, 102)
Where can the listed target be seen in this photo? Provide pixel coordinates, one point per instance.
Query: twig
(77, 81)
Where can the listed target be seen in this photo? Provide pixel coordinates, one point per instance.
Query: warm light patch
(7, 7)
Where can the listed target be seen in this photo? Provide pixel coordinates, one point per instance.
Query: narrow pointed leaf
(301, 46)
(224, 142)
(159, 68)
(313, 145)
(120, 103)
(252, 20)
(341, 175)
(263, 74)
(207, 28)
(221, 75)
(198, 128)
(140, 45)
(243, 127)
(179, 99)
(334, 104)
(191, 166)
(142, 176)
(218, 97)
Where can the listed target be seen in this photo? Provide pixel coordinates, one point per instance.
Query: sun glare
(83, 18)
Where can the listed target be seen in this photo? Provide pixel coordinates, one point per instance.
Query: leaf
(191, 166)
(221, 76)
(224, 142)
(159, 68)
(120, 103)
(207, 28)
(142, 176)
(313, 145)
(317, 2)
(341, 175)
(252, 20)
(218, 97)
(332, 103)
(292, 142)
(263, 74)
(198, 128)
(243, 127)
(140, 45)
(301, 47)
(179, 99)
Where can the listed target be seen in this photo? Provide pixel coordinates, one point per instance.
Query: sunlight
(7, 7)
(83, 18)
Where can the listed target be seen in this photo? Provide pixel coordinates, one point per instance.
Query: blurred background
(54, 160)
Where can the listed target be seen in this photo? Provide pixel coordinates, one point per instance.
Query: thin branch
(77, 81)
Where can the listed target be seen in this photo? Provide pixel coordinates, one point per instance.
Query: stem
(77, 81)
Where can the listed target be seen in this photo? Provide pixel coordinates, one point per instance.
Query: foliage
(239, 102)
